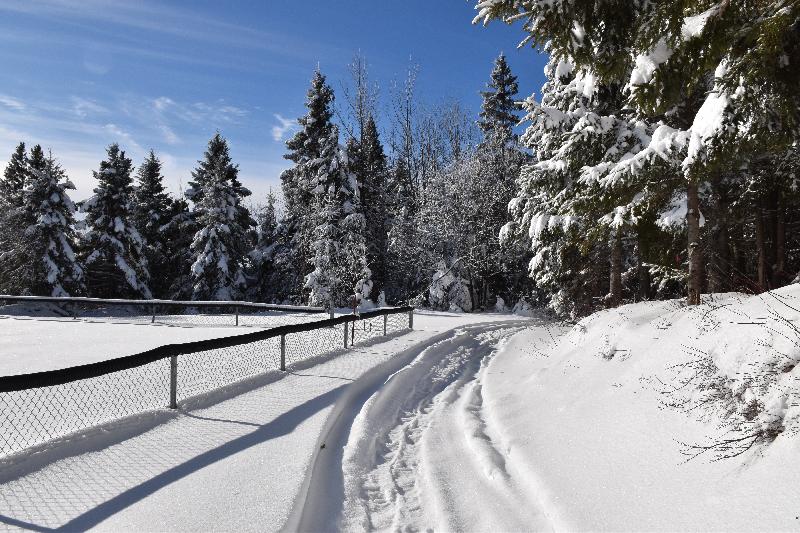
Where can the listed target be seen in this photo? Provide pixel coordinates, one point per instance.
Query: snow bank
(655, 416)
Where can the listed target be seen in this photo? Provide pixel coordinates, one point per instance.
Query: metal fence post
(236, 307)
(385, 318)
(345, 333)
(411, 319)
(74, 311)
(153, 309)
(173, 382)
(283, 353)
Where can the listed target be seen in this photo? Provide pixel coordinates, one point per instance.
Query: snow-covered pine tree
(339, 251)
(51, 237)
(499, 108)
(15, 176)
(12, 249)
(178, 234)
(263, 274)
(404, 276)
(354, 274)
(716, 79)
(150, 214)
(300, 183)
(222, 241)
(368, 163)
(113, 251)
(500, 161)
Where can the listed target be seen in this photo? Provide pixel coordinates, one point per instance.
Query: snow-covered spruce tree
(15, 176)
(113, 250)
(500, 161)
(263, 274)
(50, 237)
(150, 214)
(368, 163)
(340, 272)
(716, 78)
(12, 248)
(355, 276)
(178, 234)
(404, 276)
(499, 108)
(222, 242)
(566, 205)
(300, 182)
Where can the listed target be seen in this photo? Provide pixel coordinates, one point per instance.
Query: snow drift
(658, 416)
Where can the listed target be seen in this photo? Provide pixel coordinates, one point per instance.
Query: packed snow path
(236, 459)
(422, 452)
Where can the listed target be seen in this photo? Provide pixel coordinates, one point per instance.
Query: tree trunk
(615, 280)
(780, 242)
(719, 263)
(695, 253)
(761, 248)
(643, 271)
(771, 221)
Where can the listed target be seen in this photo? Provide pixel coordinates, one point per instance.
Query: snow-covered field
(653, 416)
(36, 343)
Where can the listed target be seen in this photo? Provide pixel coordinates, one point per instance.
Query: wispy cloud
(12, 103)
(122, 135)
(284, 126)
(83, 107)
(159, 18)
(169, 135)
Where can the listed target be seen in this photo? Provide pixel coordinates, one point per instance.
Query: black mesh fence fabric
(37, 408)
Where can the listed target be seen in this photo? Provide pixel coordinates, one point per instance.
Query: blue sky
(79, 74)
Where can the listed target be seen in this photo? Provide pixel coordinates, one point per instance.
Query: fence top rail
(51, 378)
(174, 303)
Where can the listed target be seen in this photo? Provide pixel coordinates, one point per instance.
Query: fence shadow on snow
(40, 407)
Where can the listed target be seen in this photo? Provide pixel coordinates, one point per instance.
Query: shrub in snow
(448, 291)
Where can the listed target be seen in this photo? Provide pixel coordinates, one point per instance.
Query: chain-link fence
(165, 312)
(36, 408)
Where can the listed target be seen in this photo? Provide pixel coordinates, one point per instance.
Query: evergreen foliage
(50, 235)
(113, 250)
(673, 108)
(150, 214)
(223, 238)
(15, 176)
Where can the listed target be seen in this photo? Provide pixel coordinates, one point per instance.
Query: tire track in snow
(419, 455)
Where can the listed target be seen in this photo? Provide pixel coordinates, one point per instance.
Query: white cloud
(285, 126)
(12, 103)
(170, 137)
(163, 102)
(82, 107)
(122, 135)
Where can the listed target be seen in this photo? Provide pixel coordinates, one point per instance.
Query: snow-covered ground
(653, 416)
(37, 343)
(637, 419)
(606, 425)
(236, 459)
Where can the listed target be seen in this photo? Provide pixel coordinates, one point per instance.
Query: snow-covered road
(423, 451)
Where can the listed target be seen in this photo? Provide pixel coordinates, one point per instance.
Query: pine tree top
(315, 124)
(498, 110)
(216, 157)
(14, 178)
